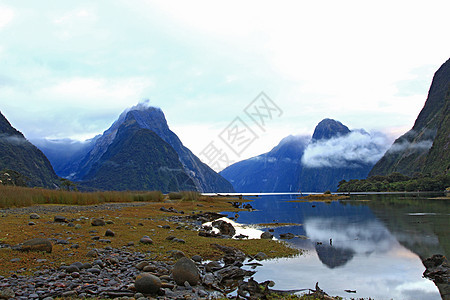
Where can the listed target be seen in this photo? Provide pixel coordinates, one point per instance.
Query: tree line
(396, 182)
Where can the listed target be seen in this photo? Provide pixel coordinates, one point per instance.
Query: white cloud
(6, 16)
(350, 150)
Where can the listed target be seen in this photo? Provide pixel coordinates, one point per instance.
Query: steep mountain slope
(18, 154)
(425, 148)
(79, 166)
(310, 165)
(138, 159)
(275, 171)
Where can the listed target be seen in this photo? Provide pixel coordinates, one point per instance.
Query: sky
(69, 68)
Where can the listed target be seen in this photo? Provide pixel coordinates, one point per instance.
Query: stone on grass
(60, 219)
(92, 253)
(147, 283)
(176, 254)
(185, 270)
(34, 216)
(266, 235)
(146, 240)
(109, 232)
(98, 222)
(36, 244)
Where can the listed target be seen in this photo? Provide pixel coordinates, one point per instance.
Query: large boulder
(224, 227)
(36, 244)
(147, 283)
(185, 270)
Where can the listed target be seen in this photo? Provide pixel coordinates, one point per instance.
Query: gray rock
(261, 256)
(36, 244)
(146, 240)
(209, 279)
(147, 283)
(197, 258)
(109, 232)
(92, 253)
(140, 265)
(267, 235)
(185, 270)
(31, 223)
(287, 236)
(176, 254)
(93, 270)
(225, 228)
(77, 226)
(60, 219)
(98, 222)
(72, 268)
(213, 266)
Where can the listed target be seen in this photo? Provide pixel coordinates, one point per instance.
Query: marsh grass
(14, 196)
(185, 196)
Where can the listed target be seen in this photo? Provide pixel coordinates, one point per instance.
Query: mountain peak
(329, 128)
(6, 127)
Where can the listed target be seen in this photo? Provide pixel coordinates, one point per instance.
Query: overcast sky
(69, 68)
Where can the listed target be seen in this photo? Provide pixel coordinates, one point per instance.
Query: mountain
(426, 147)
(19, 155)
(84, 163)
(138, 159)
(275, 171)
(308, 164)
(329, 128)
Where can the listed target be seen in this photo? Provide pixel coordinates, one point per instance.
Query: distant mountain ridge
(426, 147)
(284, 168)
(18, 154)
(88, 160)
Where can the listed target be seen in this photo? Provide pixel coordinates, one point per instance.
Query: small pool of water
(370, 244)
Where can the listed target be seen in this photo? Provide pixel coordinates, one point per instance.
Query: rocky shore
(44, 268)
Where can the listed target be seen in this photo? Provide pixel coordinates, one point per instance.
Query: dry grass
(12, 196)
(14, 229)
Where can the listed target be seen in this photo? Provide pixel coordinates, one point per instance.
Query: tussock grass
(14, 196)
(185, 195)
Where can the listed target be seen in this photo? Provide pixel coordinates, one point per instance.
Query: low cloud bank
(422, 145)
(352, 150)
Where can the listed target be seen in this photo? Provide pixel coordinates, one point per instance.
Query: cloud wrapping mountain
(351, 150)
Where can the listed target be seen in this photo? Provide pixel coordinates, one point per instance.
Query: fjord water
(370, 244)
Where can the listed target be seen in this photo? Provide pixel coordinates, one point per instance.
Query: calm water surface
(377, 243)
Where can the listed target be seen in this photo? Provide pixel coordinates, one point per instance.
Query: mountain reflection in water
(347, 239)
(372, 247)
